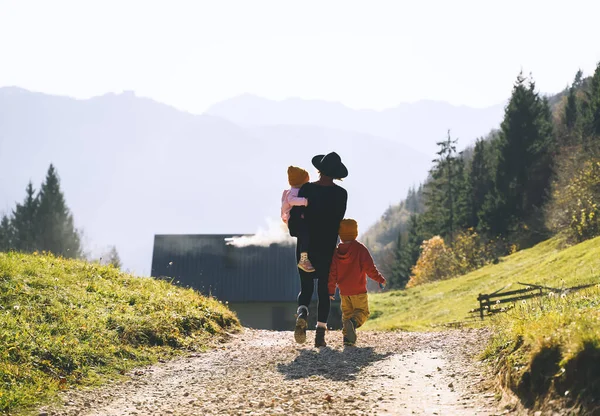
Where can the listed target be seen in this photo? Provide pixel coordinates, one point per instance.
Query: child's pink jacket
(291, 199)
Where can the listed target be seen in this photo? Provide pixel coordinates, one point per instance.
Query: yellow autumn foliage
(468, 252)
(436, 262)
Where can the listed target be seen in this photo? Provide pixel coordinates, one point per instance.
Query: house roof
(234, 274)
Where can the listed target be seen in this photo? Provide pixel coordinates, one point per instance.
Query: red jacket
(351, 264)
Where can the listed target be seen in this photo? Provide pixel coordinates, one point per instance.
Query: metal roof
(234, 274)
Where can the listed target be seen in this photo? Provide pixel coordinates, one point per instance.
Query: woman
(326, 208)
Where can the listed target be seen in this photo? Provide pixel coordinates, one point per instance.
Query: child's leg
(346, 310)
(360, 312)
(302, 234)
(303, 243)
(348, 326)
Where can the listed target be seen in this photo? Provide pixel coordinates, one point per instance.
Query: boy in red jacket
(351, 265)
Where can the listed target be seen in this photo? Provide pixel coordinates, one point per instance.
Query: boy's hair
(348, 229)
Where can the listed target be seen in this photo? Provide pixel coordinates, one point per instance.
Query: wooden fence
(489, 303)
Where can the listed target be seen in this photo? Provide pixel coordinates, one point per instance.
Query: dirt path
(265, 373)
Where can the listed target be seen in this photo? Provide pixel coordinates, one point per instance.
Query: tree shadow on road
(330, 363)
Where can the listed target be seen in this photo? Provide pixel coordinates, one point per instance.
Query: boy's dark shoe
(320, 337)
(350, 329)
(301, 325)
(347, 343)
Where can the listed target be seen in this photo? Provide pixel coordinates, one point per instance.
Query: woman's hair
(335, 179)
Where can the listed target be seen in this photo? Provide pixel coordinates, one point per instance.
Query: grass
(66, 322)
(428, 306)
(545, 349)
(549, 348)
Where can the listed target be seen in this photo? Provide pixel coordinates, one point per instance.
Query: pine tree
(572, 118)
(490, 214)
(571, 108)
(441, 192)
(414, 240)
(55, 228)
(524, 164)
(113, 258)
(414, 200)
(24, 222)
(463, 194)
(541, 154)
(420, 199)
(401, 269)
(480, 182)
(594, 104)
(6, 234)
(411, 202)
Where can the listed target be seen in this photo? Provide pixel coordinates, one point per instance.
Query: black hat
(330, 165)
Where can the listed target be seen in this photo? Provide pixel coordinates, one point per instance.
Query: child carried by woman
(296, 178)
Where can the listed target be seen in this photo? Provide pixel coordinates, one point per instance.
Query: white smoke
(275, 233)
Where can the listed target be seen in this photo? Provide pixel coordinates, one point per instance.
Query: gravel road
(266, 373)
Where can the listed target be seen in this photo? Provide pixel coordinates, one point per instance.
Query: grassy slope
(65, 322)
(549, 348)
(450, 300)
(544, 349)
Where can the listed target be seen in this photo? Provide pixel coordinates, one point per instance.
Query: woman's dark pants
(320, 258)
(307, 287)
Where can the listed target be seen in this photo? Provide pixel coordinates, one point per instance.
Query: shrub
(575, 204)
(471, 251)
(437, 262)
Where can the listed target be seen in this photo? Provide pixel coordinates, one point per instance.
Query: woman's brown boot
(320, 337)
(301, 325)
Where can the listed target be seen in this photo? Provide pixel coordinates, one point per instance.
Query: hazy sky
(366, 54)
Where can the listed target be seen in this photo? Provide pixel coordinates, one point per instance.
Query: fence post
(480, 299)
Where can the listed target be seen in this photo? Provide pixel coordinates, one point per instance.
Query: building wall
(260, 283)
(234, 274)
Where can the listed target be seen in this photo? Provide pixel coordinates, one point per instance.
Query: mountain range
(418, 125)
(131, 167)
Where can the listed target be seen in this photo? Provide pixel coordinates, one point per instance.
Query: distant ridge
(418, 125)
(131, 167)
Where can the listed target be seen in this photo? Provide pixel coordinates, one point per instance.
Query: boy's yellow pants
(355, 307)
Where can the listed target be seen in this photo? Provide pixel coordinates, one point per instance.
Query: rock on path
(266, 373)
